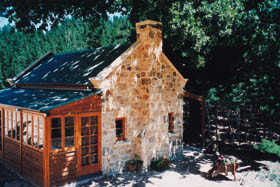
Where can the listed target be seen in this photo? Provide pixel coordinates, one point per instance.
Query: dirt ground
(190, 170)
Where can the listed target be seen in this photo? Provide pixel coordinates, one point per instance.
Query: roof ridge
(69, 52)
(92, 49)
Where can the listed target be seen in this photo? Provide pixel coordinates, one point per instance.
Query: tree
(112, 32)
(30, 14)
(230, 46)
(18, 49)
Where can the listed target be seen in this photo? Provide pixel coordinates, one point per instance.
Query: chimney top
(149, 31)
(149, 22)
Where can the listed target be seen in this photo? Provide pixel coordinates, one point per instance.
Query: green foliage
(201, 24)
(234, 47)
(268, 146)
(136, 163)
(32, 14)
(228, 49)
(113, 32)
(161, 163)
(18, 49)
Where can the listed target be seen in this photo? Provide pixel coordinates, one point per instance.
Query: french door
(89, 144)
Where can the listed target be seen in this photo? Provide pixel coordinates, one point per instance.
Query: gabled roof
(73, 68)
(61, 76)
(40, 99)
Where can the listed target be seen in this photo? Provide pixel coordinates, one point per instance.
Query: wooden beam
(193, 96)
(62, 126)
(32, 131)
(38, 132)
(31, 111)
(2, 132)
(203, 104)
(46, 156)
(21, 140)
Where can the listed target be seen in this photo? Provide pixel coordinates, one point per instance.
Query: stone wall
(143, 90)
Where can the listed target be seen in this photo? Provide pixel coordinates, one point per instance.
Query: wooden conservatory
(79, 113)
(32, 141)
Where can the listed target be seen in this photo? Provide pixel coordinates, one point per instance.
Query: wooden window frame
(5, 116)
(41, 136)
(38, 134)
(171, 122)
(29, 134)
(90, 144)
(26, 114)
(25, 137)
(64, 129)
(63, 148)
(51, 129)
(123, 129)
(17, 119)
(18, 124)
(9, 119)
(1, 129)
(11, 123)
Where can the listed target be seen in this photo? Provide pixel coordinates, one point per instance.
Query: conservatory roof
(41, 99)
(73, 68)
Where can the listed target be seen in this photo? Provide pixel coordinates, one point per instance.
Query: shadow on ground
(8, 178)
(191, 163)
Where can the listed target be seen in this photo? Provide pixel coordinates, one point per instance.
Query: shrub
(135, 164)
(268, 146)
(160, 163)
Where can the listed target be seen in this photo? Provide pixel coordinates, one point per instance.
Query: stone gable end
(143, 90)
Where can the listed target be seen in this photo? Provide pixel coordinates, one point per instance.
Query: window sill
(172, 134)
(122, 142)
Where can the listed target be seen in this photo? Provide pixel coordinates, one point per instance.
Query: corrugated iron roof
(41, 99)
(74, 68)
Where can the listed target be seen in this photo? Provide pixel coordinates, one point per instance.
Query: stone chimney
(149, 32)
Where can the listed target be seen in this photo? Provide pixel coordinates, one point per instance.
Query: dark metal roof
(41, 99)
(73, 68)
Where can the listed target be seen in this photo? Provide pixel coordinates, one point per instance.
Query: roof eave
(46, 109)
(21, 108)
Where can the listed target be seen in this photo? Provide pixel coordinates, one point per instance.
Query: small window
(6, 123)
(9, 123)
(29, 130)
(41, 132)
(120, 129)
(24, 128)
(13, 125)
(56, 133)
(18, 126)
(35, 131)
(69, 131)
(170, 122)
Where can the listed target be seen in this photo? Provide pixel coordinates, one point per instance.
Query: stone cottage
(91, 111)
